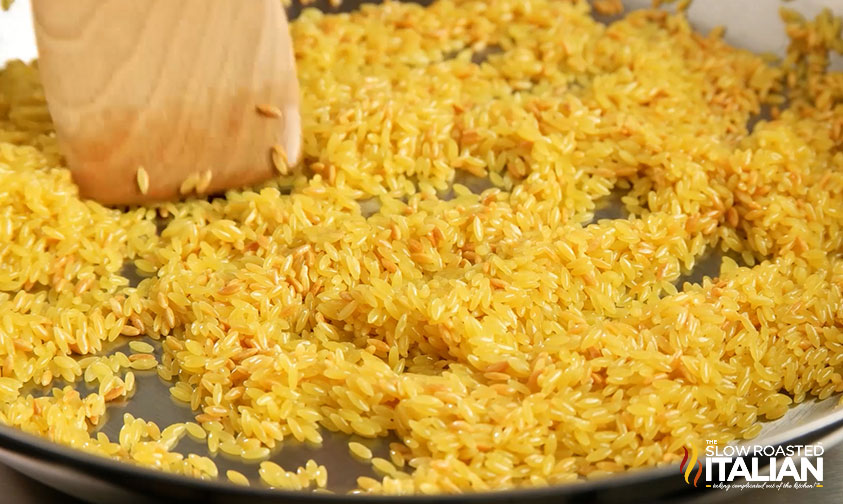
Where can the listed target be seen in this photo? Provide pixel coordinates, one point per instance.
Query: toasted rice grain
(268, 110)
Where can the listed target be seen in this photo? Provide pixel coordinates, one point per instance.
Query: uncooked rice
(189, 184)
(503, 337)
(141, 347)
(279, 160)
(204, 182)
(359, 450)
(143, 180)
(237, 478)
(268, 110)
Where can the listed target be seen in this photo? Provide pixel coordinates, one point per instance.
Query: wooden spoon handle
(170, 86)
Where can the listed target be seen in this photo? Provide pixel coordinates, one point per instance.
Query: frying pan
(753, 25)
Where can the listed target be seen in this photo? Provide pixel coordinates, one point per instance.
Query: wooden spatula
(156, 99)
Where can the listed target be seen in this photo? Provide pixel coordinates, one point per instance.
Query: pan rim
(42, 449)
(120, 473)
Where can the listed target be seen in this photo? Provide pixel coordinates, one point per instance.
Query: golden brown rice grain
(608, 7)
(269, 110)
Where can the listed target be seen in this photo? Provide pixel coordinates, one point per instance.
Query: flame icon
(686, 469)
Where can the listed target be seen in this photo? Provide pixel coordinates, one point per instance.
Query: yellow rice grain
(279, 160)
(359, 450)
(143, 180)
(204, 181)
(195, 430)
(141, 347)
(144, 364)
(189, 184)
(237, 478)
(129, 381)
(383, 466)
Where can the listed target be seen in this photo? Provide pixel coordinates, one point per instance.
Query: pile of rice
(505, 338)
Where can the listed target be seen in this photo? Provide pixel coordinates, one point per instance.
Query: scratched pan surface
(752, 25)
